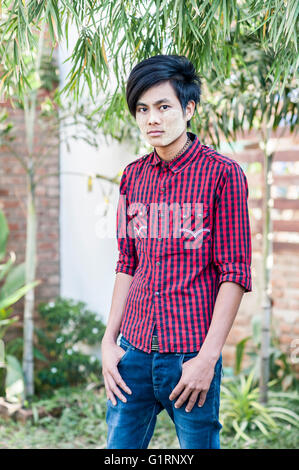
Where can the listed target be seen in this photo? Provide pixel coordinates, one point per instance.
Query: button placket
(160, 215)
(164, 167)
(159, 239)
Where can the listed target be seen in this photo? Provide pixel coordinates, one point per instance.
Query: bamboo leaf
(13, 298)
(104, 52)
(265, 23)
(240, 347)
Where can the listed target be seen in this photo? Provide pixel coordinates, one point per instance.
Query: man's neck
(168, 152)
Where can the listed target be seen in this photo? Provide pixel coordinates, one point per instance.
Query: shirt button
(159, 239)
(162, 189)
(158, 263)
(157, 293)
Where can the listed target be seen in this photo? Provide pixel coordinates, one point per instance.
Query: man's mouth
(155, 132)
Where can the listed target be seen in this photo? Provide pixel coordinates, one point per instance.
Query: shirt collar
(182, 160)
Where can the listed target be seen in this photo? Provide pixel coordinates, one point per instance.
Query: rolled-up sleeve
(231, 234)
(127, 258)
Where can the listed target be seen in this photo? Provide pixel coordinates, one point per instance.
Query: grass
(82, 425)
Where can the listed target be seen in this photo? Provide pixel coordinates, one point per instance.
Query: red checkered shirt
(182, 229)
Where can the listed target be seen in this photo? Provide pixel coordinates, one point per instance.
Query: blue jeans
(152, 377)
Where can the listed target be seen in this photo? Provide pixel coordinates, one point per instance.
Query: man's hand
(111, 355)
(196, 379)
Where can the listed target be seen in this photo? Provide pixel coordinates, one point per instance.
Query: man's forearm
(225, 310)
(121, 288)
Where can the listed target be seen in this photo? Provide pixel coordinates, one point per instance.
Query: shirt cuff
(125, 269)
(238, 273)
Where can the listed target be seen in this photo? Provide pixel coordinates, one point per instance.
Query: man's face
(159, 109)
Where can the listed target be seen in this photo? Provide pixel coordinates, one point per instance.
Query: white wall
(88, 257)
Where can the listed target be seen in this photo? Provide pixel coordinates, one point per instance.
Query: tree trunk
(30, 101)
(267, 291)
(28, 364)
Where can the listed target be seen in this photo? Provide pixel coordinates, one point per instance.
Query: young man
(184, 264)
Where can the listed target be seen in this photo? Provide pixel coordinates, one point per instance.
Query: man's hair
(176, 69)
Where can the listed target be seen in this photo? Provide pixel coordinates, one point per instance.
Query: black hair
(176, 69)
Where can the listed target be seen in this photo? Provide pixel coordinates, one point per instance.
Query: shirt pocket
(195, 232)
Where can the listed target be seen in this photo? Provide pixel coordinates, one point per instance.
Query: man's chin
(158, 140)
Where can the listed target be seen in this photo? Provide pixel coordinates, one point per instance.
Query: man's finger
(109, 394)
(120, 382)
(177, 390)
(111, 397)
(114, 389)
(182, 398)
(192, 401)
(202, 397)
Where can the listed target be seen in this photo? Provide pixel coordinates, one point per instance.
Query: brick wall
(285, 271)
(13, 203)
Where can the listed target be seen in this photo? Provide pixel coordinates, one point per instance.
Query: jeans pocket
(186, 357)
(125, 355)
(124, 344)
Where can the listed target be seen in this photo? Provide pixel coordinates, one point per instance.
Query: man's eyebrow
(163, 100)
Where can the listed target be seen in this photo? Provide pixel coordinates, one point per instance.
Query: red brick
(4, 192)
(285, 327)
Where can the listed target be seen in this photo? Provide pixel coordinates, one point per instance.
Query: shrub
(241, 412)
(69, 328)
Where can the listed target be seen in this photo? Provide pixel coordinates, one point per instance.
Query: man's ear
(190, 109)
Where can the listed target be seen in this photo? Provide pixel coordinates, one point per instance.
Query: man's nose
(153, 116)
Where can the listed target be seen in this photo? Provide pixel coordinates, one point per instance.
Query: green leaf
(39, 355)
(240, 347)
(13, 298)
(4, 232)
(14, 381)
(5, 268)
(14, 280)
(261, 427)
(240, 431)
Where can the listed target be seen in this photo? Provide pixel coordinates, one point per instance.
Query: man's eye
(140, 109)
(165, 105)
